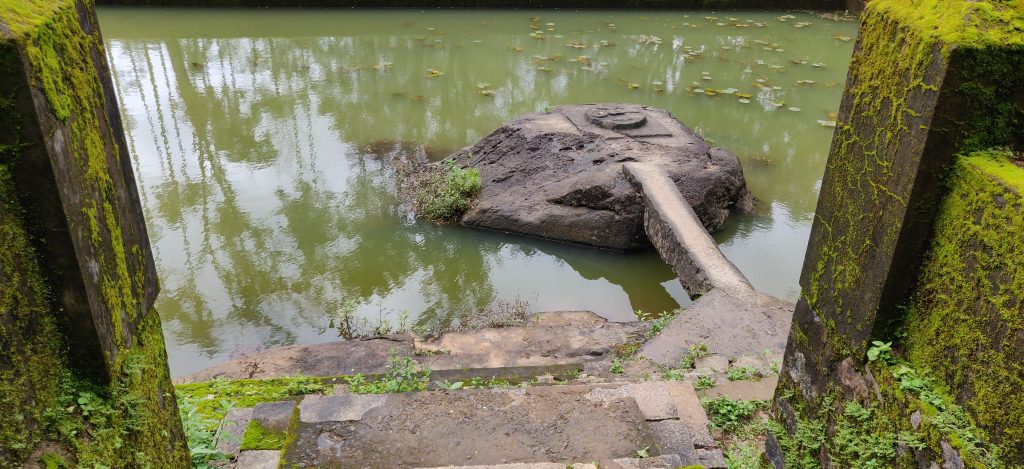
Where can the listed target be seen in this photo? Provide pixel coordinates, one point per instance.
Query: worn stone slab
(653, 398)
(258, 459)
(229, 435)
(343, 408)
(692, 414)
(535, 465)
(326, 359)
(677, 233)
(763, 389)
(274, 416)
(664, 461)
(715, 363)
(730, 326)
(530, 346)
(548, 340)
(674, 438)
(477, 427)
(712, 458)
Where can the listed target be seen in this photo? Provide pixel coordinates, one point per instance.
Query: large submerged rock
(558, 174)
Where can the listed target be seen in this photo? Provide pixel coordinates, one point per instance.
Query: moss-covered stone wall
(966, 323)
(929, 80)
(825, 5)
(84, 380)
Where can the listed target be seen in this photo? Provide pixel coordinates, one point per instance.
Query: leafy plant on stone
(741, 373)
(704, 382)
(199, 434)
(616, 367)
(403, 375)
(727, 414)
(695, 352)
(447, 192)
(880, 351)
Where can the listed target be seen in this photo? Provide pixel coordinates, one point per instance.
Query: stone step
(611, 424)
(549, 342)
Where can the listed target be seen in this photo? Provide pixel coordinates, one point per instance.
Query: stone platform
(633, 425)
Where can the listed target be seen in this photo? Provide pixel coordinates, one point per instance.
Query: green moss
(880, 434)
(966, 323)
(30, 346)
(257, 436)
(960, 22)
(23, 15)
(62, 55)
(213, 398)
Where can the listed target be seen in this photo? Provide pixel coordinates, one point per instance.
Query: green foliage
(199, 433)
(616, 367)
(880, 351)
(727, 414)
(448, 385)
(446, 195)
(659, 323)
(704, 382)
(403, 375)
(741, 373)
(694, 353)
(743, 456)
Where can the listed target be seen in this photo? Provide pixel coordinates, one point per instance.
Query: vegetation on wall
(966, 323)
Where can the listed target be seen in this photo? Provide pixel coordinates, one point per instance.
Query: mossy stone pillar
(74, 176)
(77, 280)
(929, 79)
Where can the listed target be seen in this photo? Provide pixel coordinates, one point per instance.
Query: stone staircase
(649, 424)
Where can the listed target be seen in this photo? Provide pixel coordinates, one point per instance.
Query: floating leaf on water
(698, 90)
(777, 68)
(832, 115)
(706, 77)
(817, 65)
(830, 84)
(759, 62)
(543, 68)
(744, 100)
(478, 41)
(719, 24)
(794, 109)
(759, 24)
(780, 50)
(798, 61)
(805, 82)
(803, 24)
(710, 93)
(515, 49)
(761, 41)
(434, 73)
(744, 95)
(729, 91)
(648, 39)
(420, 38)
(534, 26)
(760, 80)
(483, 85)
(487, 92)
(843, 38)
(777, 88)
(576, 45)
(431, 29)
(825, 123)
(606, 44)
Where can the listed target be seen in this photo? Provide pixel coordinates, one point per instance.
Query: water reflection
(260, 140)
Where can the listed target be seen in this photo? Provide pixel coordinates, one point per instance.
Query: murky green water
(260, 140)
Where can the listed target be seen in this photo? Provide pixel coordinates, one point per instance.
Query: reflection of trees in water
(237, 146)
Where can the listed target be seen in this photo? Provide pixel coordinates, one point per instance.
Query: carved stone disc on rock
(617, 117)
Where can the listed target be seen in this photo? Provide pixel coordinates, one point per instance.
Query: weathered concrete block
(74, 176)
(345, 408)
(928, 80)
(258, 459)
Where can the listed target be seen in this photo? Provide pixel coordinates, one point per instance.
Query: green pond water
(261, 141)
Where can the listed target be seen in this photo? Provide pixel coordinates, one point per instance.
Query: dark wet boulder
(558, 174)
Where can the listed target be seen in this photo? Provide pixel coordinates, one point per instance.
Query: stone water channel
(263, 144)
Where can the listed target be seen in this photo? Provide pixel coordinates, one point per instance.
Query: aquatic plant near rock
(443, 192)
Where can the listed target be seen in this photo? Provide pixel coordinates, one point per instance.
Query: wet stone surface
(558, 174)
